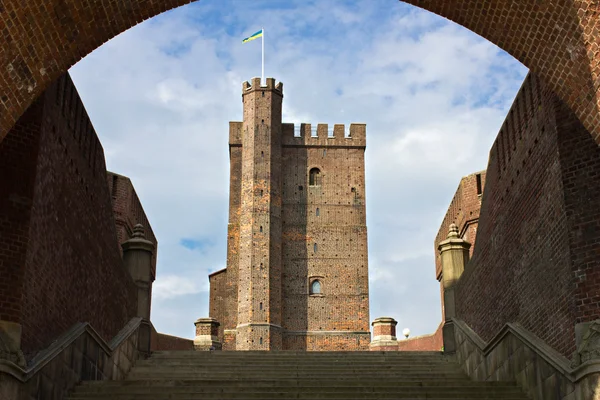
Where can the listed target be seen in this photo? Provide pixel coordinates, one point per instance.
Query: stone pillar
(384, 335)
(137, 257)
(207, 334)
(454, 254)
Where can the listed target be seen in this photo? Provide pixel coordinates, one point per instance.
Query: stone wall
(514, 354)
(79, 354)
(61, 246)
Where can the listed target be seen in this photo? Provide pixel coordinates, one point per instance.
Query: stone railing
(516, 354)
(78, 355)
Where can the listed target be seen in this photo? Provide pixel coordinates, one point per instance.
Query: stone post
(207, 334)
(137, 257)
(454, 254)
(384, 335)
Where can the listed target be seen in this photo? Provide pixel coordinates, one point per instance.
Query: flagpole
(263, 56)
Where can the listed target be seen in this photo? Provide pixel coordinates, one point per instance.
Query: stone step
(303, 362)
(357, 383)
(309, 367)
(266, 355)
(319, 395)
(224, 375)
(146, 390)
(187, 375)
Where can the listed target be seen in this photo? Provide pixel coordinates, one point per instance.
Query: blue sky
(433, 96)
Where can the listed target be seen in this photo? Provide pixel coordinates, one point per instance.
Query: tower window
(262, 153)
(479, 189)
(317, 212)
(314, 177)
(263, 94)
(315, 248)
(315, 287)
(260, 306)
(324, 153)
(261, 338)
(261, 229)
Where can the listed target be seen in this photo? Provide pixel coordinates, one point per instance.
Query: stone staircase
(187, 375)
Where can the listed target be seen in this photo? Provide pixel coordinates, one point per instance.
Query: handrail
(65, 340)
(551, 356)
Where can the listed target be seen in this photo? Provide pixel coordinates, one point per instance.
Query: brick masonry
(128, 212)
(60, 248)
(559, 41)
(316, 231)
(464, 213)
(163, 342)
(538, 237)
(433, 342)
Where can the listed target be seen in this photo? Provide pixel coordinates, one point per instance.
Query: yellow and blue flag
(252, 37)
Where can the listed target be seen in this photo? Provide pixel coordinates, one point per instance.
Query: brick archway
(560, 41)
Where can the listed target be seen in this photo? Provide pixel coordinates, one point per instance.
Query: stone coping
(65, 340)
(551, 356)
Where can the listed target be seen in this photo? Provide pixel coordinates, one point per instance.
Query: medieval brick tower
(297, 267)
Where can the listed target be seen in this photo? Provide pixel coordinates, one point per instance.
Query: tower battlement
(255, 83)
(324, 136)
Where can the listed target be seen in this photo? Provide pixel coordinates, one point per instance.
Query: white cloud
(433, 96)
(171, 286)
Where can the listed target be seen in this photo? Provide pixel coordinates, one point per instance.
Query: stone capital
(454, 254)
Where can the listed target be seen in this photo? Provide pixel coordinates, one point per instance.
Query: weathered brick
(316, 231)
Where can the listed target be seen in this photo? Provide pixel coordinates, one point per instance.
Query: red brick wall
(260, 262)
(340, 233)
(70, 264)
(128, 212)
(580, 167)
(328, 342)
(18, 166)
(556, 39)
(433, 342)
(340, 263)
(538, 229)
(162, 342)
(218, 299)
(463, 211)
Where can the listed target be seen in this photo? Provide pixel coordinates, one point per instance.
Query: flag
(252, 37)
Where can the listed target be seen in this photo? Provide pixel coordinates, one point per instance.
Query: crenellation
(256, 84)
(323, 136)
(322, 132)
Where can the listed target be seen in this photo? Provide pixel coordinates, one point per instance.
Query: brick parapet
(463, 211)
(128, 211)
(71, 257)
(530, 250)
(303, 136)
